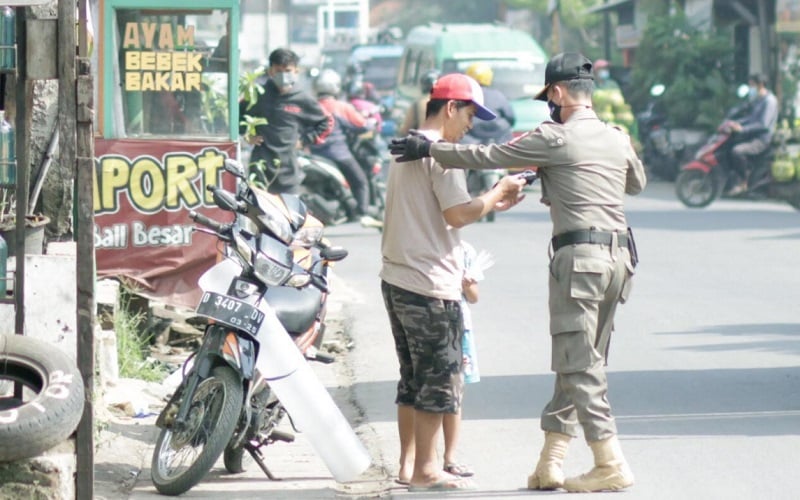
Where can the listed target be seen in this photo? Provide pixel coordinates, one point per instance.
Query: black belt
(588, 236)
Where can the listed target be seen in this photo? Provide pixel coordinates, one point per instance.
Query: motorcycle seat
(296, 308)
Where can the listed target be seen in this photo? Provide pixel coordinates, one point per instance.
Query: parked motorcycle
(709, 175)
(664, 149)
(267, 302)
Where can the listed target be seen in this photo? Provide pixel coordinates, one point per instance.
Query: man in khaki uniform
(586, 168)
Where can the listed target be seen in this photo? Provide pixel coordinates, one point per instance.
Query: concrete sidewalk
(124, 445)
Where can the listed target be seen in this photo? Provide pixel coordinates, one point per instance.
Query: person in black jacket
(294, 120)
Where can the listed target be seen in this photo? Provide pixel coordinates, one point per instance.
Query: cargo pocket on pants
(590, 279)
(572, 349)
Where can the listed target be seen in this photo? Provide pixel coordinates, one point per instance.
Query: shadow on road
(785, 338)
(748, 402)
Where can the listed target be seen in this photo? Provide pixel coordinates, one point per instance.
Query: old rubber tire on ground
(697, 189)
(208, 426)
(52, 397)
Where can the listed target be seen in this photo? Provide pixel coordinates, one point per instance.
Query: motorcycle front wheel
(697, 189)
(182, 457)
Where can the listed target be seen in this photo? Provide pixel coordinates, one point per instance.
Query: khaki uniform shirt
(421, 252)
(585, 166)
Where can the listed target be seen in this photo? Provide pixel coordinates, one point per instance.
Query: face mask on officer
(603, 74)
(285, 79)
(555, 111)
(752, 93)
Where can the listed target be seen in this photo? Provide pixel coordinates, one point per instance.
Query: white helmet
(328, 82)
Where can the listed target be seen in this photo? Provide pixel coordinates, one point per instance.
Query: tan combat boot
(548, 474)
(610, 472)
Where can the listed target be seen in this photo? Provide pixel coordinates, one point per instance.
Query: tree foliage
(694, 65)
(581, 32)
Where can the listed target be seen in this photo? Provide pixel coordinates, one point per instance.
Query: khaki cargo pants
(587, 281)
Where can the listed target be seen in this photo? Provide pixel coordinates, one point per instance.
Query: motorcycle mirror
(224, 200)
(234, 167)
(742, 91)
(657, 89)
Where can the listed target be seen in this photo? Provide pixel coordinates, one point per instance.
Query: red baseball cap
(460, 87)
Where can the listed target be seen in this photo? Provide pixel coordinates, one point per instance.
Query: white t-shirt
(420, 250)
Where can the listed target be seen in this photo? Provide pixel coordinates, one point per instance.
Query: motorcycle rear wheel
(182, 458)
(697, 189)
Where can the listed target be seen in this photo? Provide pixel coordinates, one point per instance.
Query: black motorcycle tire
(221, 428)
(697, 189)
(52, 397)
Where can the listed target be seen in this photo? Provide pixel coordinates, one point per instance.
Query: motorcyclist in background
(358, 92)
(755, 130)
(497, 131)
(416, 113)
(346, 119)
(492, 131)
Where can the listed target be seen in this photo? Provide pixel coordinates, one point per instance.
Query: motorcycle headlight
(299, 280)
(269, 271)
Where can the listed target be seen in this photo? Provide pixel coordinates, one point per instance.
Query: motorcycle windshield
(273, 216)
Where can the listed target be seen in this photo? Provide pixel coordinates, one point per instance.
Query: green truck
(517, 60)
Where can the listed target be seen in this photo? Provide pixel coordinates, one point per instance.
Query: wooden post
(76, 148)
(24, 105)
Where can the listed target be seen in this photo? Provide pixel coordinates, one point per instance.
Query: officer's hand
(411, 147)
(511, 187)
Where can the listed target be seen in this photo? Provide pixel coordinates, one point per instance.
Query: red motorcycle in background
(706, 177)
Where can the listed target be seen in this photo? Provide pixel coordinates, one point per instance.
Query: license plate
(230, 311)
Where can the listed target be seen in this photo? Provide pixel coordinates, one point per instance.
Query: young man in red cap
(426, 205)
(586, 168)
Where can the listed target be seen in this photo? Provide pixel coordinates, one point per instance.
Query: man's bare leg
(405, 427)
(426, 463)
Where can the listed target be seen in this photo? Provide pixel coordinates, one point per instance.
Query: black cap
(565, 66)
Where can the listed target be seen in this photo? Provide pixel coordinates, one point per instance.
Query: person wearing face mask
(586, 168)
(602, 75)
(753, 132)
(294, 120)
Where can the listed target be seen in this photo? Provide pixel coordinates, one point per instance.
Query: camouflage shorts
(427, 338)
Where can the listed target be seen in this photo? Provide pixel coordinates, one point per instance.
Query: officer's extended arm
(410, 148)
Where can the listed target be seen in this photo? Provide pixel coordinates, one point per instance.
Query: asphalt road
(703, 370)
